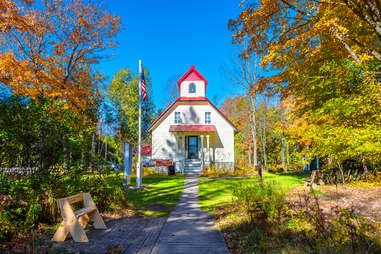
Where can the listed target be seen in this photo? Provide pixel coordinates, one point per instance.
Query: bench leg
(74, 228)
(77, 232)
(98, 221)
(61, 233)
(95, 216)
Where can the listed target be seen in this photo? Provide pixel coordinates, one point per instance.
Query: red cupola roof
(191, 75)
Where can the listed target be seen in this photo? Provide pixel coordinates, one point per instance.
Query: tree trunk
(106, 146)
(100, 134)
(70, 157)
(40, 149)
(65, 155)
(350, 51)
(313, 177)
(264, 142)
(287, 157)
(93, 144)
(341, 171)
(283, 143)
(254, 134)
(260, 177)
(82, 158)
(366, 172)
(122, 156)
(254, 130)
(249, 157)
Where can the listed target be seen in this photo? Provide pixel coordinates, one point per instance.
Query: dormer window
(192, 88)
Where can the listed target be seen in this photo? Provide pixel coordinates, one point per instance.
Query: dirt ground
(365, 201)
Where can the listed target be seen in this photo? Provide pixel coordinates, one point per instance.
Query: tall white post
(138, 166)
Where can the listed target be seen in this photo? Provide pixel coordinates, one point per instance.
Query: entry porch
(194, 149)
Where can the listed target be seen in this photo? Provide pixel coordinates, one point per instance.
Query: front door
(192, 147)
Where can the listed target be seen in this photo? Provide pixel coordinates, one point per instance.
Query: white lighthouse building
(192, 132)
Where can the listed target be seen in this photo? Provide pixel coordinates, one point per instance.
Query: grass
(213, 193)
(158, 197)
(292, 229)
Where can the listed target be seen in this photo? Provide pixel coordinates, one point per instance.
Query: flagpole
(138, 167)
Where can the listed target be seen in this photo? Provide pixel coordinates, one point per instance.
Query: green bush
(30, 201)
(214, 171)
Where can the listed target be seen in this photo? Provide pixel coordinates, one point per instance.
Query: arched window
(192, 88)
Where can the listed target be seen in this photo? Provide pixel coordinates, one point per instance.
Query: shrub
(263, 222)
(214, 171)
(340, 231)
(27, 202)
(261, 202)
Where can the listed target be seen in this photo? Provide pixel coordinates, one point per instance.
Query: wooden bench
(315, 179)
(308, 182)
(75, 221)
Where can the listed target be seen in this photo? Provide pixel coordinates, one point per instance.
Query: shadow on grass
(161, 191)
(299, 175)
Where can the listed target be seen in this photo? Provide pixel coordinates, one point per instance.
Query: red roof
(192, 99)
(191, 75)
(193, 128)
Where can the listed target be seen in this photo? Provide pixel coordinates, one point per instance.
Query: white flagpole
(138, 167)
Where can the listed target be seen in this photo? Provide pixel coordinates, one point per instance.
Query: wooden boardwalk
(187, 230)
(135, 235)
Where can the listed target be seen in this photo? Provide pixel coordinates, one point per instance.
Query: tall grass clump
(260, 202)
(267, 222)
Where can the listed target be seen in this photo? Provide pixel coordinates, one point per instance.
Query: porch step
(192, 166)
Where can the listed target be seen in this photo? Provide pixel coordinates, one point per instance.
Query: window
(177, 117)
(192, 88)
(208, 119)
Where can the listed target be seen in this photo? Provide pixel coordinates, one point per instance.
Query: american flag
(144, 92)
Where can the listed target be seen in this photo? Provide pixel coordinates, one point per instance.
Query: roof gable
(191, 99)
(192, 75)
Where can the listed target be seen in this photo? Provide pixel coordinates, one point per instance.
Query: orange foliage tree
(48, 48)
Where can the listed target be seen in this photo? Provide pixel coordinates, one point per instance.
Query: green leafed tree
(124, 94)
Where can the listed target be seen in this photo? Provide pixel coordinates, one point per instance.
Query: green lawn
(219, 192)
(158, 197)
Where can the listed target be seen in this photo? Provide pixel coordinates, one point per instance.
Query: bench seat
(84, 211)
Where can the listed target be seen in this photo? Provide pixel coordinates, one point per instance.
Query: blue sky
(170, 36)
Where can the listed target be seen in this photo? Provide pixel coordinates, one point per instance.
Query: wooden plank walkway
(188, 229)
(135, 235)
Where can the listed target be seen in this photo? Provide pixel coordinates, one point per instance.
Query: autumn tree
(244, 73)
(49, 48)
(238, 110)
(278, 28)
(325, 56)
